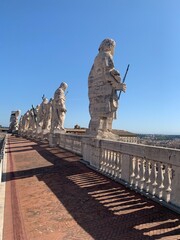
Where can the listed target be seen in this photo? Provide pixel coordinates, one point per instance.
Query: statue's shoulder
(58, 93)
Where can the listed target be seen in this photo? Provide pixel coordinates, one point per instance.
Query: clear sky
(46, 42)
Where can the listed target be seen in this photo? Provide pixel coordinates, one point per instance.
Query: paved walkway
(50, 195)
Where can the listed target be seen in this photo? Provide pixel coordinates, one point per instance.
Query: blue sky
(43, 43)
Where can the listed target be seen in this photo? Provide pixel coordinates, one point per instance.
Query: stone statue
(59, 109)
(103, 83)
(32, 119)
(14, 121)
(41, 114)
(48, 116)
(20, 129)
(26, 121)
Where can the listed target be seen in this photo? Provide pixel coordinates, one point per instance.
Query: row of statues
(47, 117)
(104, 84)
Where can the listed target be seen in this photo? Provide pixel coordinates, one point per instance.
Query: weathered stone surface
(41, 114)
(103, 83)
(14, 121)
(48, 116)
(59, 109)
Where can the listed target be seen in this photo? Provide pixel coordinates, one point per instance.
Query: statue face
(107, 45)
(112, 50)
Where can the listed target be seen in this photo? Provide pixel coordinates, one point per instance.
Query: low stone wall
(153, 171)
(2, 153)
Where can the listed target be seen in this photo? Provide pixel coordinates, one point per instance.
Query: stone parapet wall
(2, 155)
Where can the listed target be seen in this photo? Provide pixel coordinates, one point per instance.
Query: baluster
(138, 162)
(143, 170)
(169, 178)
(102, 160)
(120, 156)
(105, 160)
(162, 170)
(133, 164)
(148, 172)
(161, 176)
(154, 175)
(117, 165)
(155, 171)
(138, 168)
(114, 163)
(169, 182)
(110, 162)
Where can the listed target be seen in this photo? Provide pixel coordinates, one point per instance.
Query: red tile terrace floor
(51, 195)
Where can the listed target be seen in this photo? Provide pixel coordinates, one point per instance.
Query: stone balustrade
(69, 142)
(2, 154)
(152, 171)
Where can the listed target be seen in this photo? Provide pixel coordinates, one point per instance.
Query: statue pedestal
(38, 132)
(56, 131)
(91, 151)
(100, 134)
(53, 139)
(45, 134)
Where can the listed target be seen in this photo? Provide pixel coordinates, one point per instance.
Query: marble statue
(20, 129)
(41, 115)
(13, 126)
(32, 119)
(103, 83)
(59, 109)
(27, 120)
(48, 115)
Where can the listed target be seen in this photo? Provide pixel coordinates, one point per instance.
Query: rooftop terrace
(50, 194)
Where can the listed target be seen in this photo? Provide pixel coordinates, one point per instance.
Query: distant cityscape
(168, 141)
(159, 140)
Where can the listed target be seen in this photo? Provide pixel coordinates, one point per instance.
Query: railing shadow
(102, 207)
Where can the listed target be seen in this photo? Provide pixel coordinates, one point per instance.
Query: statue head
(107, 45)
(63, 86)
(45, 100)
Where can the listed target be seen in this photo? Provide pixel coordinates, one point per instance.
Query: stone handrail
(69, 142)
(2, 153)
(153, 171)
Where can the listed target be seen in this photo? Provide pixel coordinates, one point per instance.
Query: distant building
(126, 136)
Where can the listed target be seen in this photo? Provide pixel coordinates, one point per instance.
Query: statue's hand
(123, 87)
(115, 74)
(64, 110)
